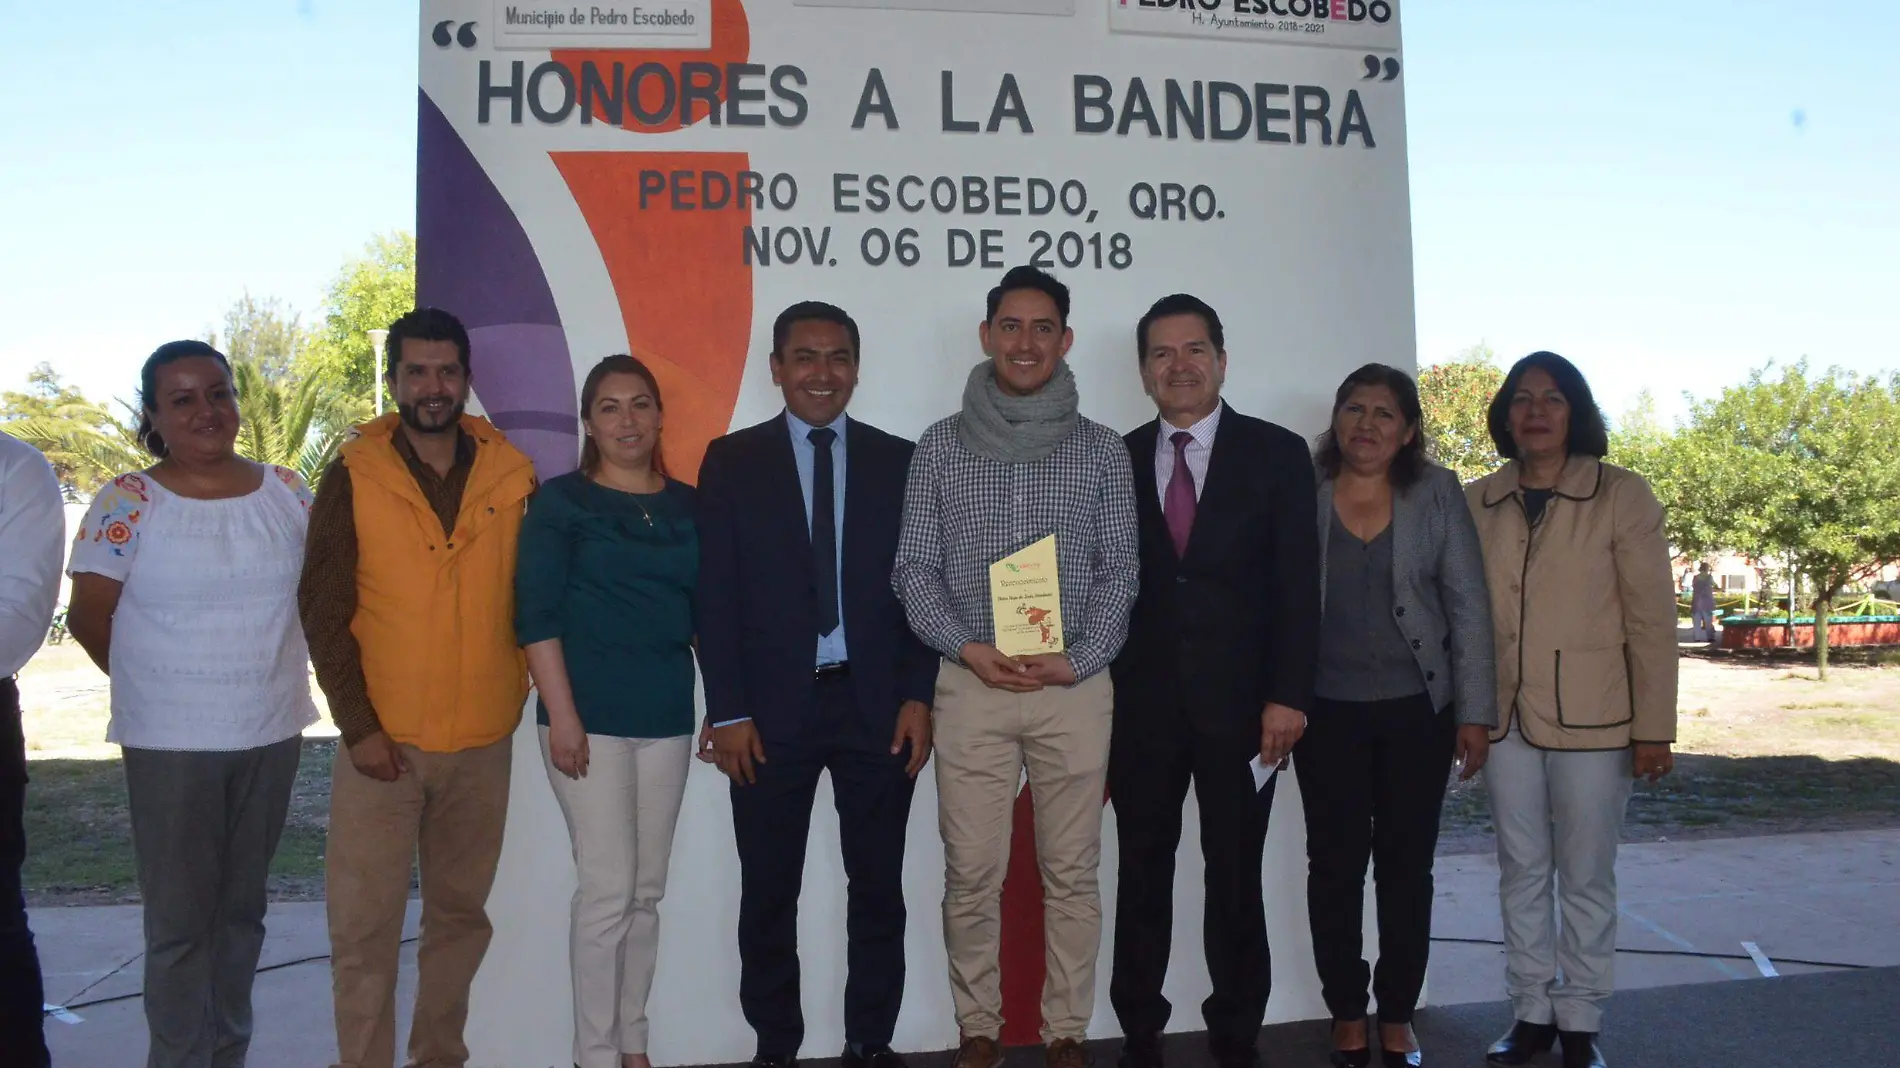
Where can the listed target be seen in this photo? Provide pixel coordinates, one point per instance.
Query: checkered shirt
(963, 512)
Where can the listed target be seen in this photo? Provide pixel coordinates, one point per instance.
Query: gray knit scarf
(1017, 430)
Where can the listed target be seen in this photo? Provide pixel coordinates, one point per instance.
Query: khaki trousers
(620, 819)
(448, 810)
(985, 740)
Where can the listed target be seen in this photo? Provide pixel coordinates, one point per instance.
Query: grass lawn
(79, 848)
(1765, 749)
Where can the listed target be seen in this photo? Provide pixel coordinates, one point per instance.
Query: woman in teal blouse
(604, 611)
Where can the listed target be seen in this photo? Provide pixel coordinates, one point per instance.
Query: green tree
(1640, 442)
(263, 333)
(45, 394)
(1456, 396)
(84, 441)
(368, 294)
(298, 424)
(1798, 467)
(1638, 438)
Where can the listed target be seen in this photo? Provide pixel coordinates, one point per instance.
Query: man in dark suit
(810, 667)
(1217, 672)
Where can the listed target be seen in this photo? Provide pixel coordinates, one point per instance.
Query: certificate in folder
(1026, 601)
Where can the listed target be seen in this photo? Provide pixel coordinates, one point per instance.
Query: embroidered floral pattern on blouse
(297, 485)
(116, 514)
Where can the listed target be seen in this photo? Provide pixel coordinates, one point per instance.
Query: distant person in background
(185, 595)
(604, 611)
(408, 595)
(1585, 616)
(32, 537)
(1406, 684)
(1702, 604)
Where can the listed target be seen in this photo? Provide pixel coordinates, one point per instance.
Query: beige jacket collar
(1582, 479)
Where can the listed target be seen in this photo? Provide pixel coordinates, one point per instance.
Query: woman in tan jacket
(1584, 607)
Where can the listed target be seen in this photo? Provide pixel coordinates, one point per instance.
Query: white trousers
(620, 818)
(1558, 814)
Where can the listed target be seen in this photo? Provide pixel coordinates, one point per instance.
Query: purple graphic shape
(474, 259)
(536, 379)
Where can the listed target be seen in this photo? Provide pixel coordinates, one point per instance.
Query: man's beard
(413, 418)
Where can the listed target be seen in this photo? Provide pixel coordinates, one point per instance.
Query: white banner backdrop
(894, 158)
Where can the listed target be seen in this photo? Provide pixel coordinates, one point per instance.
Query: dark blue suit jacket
(1235, 624)
(758, 596)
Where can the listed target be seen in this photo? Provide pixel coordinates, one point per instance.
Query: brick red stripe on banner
(1022, 960)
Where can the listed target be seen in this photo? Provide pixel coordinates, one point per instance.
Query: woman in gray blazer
(1405, 685)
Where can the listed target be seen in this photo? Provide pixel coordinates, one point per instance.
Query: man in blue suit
(810, 667)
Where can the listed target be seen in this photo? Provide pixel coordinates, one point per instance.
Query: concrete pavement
(91, 958)
(1829, 899)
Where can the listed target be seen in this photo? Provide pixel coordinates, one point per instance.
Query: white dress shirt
(1198, 452)
(32, 548)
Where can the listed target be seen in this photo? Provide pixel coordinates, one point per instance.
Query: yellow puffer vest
(435, 614)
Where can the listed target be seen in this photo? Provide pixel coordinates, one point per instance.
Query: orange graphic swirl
(731, 43)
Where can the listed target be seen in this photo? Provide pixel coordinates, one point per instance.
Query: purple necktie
(1178, 507)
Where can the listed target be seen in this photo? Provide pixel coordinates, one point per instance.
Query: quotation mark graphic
(464, 37)
(1373, 66)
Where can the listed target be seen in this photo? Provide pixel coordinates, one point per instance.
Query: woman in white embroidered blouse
(185, 595)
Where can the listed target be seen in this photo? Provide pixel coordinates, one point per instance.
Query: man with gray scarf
(1017, 465)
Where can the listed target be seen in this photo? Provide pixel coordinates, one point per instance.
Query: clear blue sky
(1669, 193)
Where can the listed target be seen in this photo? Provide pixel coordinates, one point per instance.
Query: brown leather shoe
(979, 1052)
(1065, 1053)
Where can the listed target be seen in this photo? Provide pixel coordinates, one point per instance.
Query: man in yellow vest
(408, 604)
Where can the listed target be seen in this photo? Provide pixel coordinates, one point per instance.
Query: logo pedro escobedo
(1377, 11)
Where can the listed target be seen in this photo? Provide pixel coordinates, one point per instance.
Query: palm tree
(299, 425)
(84, 442)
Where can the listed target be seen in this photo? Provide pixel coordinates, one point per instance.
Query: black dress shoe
(872, 1057)
(1143, 1052)
(1401, 1058)
(1352, 1058)
(774, 1060)
(1581, 1050)
(1525, 1041)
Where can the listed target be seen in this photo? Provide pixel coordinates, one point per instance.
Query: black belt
(832, 671)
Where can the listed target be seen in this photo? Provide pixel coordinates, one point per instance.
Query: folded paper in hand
(1262, 772)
